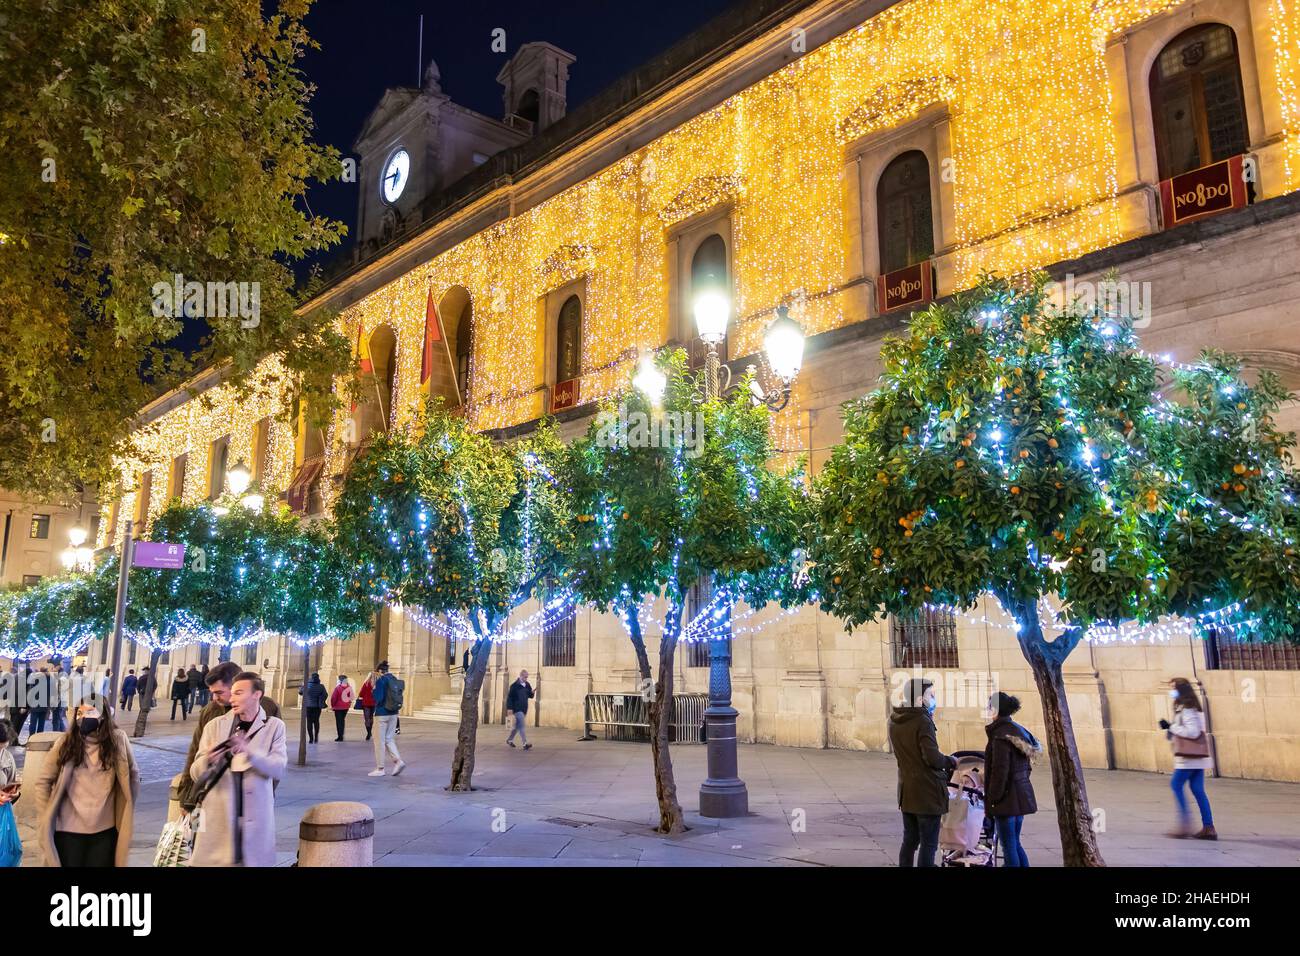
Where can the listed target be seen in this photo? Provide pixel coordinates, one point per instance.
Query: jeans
(919, 830)
(57, 723)
(313, 723)
(385, 744)
(86, 849)
(518, 728)
(1013, 854)
(184, 712)
(39, 716)
(1197, 780)
(340, 720)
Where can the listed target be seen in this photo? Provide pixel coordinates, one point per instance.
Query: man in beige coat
(237, 816)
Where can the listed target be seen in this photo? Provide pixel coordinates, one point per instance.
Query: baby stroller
(966, 836)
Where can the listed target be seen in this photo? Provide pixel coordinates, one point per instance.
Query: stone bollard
(174, 799)
(39, 749)
(337, 834)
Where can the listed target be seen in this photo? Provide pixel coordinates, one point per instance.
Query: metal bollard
(337, 834)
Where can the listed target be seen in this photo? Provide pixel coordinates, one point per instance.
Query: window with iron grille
(250, 655)
(560, 643)
(1227, 652)
(925, 638)
(698, 598)
(905, 217)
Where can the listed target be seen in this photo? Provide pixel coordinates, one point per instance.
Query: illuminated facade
(843, 141)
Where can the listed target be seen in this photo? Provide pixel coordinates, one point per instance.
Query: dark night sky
(368, 47)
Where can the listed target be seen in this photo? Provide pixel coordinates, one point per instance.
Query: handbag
(11, 847)
(1192, 746)
(177, 841)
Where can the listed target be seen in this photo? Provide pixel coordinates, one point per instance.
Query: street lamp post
(723, 794)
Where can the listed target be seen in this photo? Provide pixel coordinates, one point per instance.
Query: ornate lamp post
(77, 557)
(723, 793)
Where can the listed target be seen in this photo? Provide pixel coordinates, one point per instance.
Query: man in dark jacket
(195, 680)
(521, 692)
(315, 698)
(128, 690)
(388, 703)
(219, 681)
(923, 771)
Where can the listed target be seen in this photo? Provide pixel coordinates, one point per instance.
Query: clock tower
(417, 142)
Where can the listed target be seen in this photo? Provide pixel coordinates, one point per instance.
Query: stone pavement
(573, 803)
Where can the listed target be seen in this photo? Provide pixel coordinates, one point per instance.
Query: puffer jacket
(1008, 762)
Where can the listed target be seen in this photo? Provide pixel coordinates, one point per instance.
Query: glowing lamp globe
(239, 478)
(712, 309)
(784, 345)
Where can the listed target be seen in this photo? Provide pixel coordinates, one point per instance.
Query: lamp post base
(723, 794)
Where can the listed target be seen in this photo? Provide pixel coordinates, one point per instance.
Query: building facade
(850, 159)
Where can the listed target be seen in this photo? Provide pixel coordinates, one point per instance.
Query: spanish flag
(436, 348)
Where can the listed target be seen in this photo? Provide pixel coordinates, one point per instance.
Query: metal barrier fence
(627, 717)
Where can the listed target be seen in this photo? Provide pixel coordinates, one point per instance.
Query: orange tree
(453, 524)
(665, 494)
(1024, 450)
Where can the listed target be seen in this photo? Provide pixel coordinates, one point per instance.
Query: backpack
(393, 694)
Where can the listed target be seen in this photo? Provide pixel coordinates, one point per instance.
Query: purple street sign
(158, 554)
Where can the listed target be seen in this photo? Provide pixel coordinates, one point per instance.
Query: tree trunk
(462, 762)
(638, 645)
(671, 820)
(1073, 815)
(151, 687)
(302, 722)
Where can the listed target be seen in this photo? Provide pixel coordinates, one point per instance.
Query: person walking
(1191, 743)
(367, 697)
(220, 680)
(204, 696)
(388, 701)
(241, 757)
(86, 792)
(44, 689)
(143, 687)
(20, 701)
(341, 698)
(314, 699)
(195, 680)
(128, 689)
(923, 771)
(180, 693)
(1008, 761)
(11, 847)
(60, 694)
(517, 698)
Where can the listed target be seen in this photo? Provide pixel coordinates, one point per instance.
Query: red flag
(432, 335)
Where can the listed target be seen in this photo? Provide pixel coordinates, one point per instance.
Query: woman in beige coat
(237, 815)
(86, 791)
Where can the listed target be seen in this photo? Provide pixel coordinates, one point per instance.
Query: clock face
(393, 180)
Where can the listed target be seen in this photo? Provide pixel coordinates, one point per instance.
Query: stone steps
(445, 709)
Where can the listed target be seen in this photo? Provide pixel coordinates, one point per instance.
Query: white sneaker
(401, 765)
(376, 773)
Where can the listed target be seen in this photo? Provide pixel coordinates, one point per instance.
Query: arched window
(903, 215)
(383, 363)
(568, 340)
(529, 106)
(464, 349)
(1197, 105)
(708, 273)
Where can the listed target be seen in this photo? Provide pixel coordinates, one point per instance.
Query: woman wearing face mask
(1191, 758)
(1008, 761)
(86, 792)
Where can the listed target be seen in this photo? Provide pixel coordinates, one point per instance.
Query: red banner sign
(564, 395)
(911, 286)
(1203, 192)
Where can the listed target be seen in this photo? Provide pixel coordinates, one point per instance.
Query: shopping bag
(11, 848)
(177, 841)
